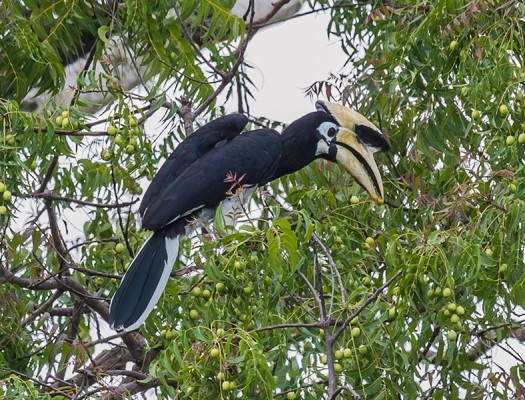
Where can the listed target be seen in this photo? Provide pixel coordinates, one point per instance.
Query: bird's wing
(246, 160)
(191, 149)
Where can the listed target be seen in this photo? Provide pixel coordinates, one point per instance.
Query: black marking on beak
(371, 138)
(365, 165)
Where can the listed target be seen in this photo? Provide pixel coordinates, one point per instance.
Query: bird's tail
(143, 282)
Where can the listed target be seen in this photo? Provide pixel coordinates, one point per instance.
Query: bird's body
(207, 168)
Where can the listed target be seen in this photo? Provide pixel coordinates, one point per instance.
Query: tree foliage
(319, 292)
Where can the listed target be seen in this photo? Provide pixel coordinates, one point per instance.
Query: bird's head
(351, 140)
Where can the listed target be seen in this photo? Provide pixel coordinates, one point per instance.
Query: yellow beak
(356, 142)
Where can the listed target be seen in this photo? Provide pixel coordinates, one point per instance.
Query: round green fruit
(354, 200)
(308, 346)
(510, 140)
(489, 252)
(221, 376)
(338, 368)
(132, 121)
(475, 114)
(7, 195)
(130, 149)
(338, 354)
(2, 187)
(454, 318)
(502, 268)
(215, 352)
(65, 113)
(220, 332)
(452, 306)
(65, 123)
(3, 210)
(460, 310)
(196, 291)
(225, 385)
(392, 312)
(106, 155)
(206, 293)
(219, 287)
(347, 353)
(247, 290)
(59, 120)
(119, 248)
(447, 292)
(362, 349)
(324, 359)
(194, 314)
(119, 140)
(504, 110)
(521, 138)
(452, 336)
(291, 395)
(356, 332)
(512, 188)
(237, 265)
(112, 130)
(370, 241)
(453, 45)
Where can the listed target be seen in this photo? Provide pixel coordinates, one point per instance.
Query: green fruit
(460, 310)
(503, 110)
(215, 352)
(452, 46)
(119, 248)
(489, 252)
(333, 229)
(475, 114)
(170, 334)
(430, 293)
(392, 312)
(106, 155)
(338, 368)
(237, 265)
(219, 287)
(3, 210)
(10, 139)
(521, 138)
(510, 140)
(324, 359)
(454, 318)
(33, 165)
(308, 346)
(354, 321)
(338, 354)
(119, 140)
(2, 187)
(452, 335)
(225, 385)
(447, 292)
(370, 241)
(220, 332)
(65, 113)
(65, 123)
(291, 396)
(464, 91)
(247, 290)
(512, 188)
(446, 313)
(347, 353)
(130, 149)
(75, 125)
(194, 314)
(112, 130)
(59, 120)
(206, 293)
(502, 268)
(196, 291)
(221, 376)
(132, 121)
(362, 349)
(356, 332)
(354, 200)
(7, 195)
(452, 306)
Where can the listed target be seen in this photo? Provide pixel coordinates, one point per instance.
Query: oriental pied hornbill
(191, 184)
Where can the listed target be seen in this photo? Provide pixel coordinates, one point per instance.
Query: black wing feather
(252, 157)
(191, 149)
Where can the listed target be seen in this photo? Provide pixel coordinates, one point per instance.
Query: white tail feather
(172, 249)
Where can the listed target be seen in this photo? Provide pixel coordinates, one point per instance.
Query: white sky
(289, 57)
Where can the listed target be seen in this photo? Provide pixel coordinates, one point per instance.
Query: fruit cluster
(6, 198)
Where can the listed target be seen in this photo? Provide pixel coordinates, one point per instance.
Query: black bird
(192, 182)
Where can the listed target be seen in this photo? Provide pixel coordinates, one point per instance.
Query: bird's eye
(331, 132)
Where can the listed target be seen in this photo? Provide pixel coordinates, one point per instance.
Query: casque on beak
(356, 142)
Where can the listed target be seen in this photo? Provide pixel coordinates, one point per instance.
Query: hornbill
(192, 182)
